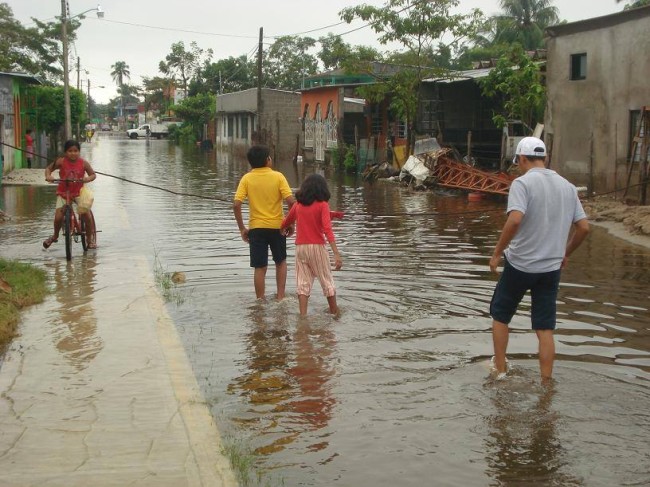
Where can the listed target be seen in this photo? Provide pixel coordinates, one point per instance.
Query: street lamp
(64, 41)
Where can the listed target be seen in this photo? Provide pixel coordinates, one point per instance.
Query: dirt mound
(636, 219)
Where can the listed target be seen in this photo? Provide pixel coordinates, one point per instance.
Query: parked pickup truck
(156, 130)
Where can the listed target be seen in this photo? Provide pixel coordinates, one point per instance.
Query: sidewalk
(98, 391)
(32, 177)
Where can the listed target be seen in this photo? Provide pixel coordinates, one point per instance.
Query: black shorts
(259, 242)
(511, 288)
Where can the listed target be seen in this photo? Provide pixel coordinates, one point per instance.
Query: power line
(214, 34)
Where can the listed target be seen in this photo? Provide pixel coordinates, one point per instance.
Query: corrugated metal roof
(22, 75)
(460, 76)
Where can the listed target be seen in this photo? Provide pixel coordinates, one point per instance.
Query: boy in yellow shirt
(265, 190)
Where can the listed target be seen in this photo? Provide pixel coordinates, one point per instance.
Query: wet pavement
(97, 389)
(395, 391)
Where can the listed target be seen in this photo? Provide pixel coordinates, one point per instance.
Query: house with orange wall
(333, 114)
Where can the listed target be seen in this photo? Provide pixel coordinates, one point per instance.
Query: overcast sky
(141, 32)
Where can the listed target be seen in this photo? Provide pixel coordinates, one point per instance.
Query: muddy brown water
(395, 392)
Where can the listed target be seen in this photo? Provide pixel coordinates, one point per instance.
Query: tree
(516, 80)
(287, 62)
(196, 111)
(226, 76)
(120, 72)
(524, 21)
(50, 113)
(417, 25)
(182, 64)
(156, 93)
(336, 53)
(32, 50)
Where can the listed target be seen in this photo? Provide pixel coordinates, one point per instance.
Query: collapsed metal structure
(451, 173)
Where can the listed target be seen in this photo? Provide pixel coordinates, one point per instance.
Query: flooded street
(394, 392)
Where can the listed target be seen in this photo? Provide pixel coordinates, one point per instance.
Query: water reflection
(523, 444)
(314, 348)
(288, 377)
(76, 324)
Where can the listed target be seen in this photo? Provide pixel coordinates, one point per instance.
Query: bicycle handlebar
(67, 181)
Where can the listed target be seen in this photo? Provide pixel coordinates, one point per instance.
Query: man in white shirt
(536, 242)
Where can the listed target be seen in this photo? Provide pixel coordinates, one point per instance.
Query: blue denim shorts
(259, 242)
(511, 288)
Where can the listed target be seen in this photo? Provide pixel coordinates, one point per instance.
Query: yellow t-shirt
(265, 189)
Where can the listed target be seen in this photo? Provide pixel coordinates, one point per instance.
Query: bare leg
(90, 229)
(546, 353)
(331, 300)
(281, 278)
(259, 281)
(58, 222)
(500, 334)
(303, 301)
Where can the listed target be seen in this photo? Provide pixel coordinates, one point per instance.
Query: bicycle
(74, 228)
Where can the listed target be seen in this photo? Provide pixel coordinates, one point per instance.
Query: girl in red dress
(313, 217)
(71, 166)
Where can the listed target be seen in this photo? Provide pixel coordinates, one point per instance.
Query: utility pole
(78, 133)
(66, 81)
(88, 101)
(259, 87)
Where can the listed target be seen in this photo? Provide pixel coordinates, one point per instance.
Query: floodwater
(396, 391)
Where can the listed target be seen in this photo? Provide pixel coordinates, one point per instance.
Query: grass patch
(28, 287)
(242, 460)
(165, 282)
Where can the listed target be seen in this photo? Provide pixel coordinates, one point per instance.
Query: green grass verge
(28, 287)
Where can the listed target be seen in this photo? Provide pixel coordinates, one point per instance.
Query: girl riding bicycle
(71, 166)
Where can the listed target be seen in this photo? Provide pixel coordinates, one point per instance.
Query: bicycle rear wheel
(67, 231)
(86, 240)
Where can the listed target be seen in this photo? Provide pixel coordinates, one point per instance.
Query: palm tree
(120, 71)
(524, 21)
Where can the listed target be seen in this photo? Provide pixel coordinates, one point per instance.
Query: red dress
(71, 170)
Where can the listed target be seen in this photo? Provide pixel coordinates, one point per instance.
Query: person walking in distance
(545, 224)
(29, 147)
(265, 190)
(313, 217)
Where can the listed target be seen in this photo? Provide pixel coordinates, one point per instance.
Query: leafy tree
(524, 21)
(417, 25)
(287, 62)
(336, 53)
(226, 76)
(517, 80)
(184, 64)
(156, 93)
(196, 111)
(33, 50)
(50, 113)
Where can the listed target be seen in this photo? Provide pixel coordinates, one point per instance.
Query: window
(231, 125)
(244, 127)
(579, 66)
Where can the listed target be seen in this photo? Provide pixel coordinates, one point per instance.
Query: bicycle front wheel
(67, 231)
(86, 237)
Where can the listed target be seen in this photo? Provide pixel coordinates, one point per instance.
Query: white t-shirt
(550, 205)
